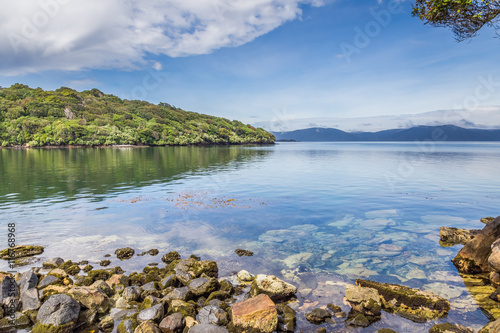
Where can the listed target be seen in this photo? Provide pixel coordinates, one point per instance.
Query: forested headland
(36, 118)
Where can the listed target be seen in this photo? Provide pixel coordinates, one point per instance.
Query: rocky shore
(188, 295)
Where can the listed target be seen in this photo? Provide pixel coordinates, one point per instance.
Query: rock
(28, 280)
(494, 257)
(202, 286)
(152, 252)
(495, 278)
(124, 253)
(487, 220)
(59, 310)
(19, 321)
(493, 327)
(117, 279)
(47, 280)
(243, 253)
(91, 298)
(184, 308)
(105, 263)
(147, 327)
(318, 316)
(183, 294)
(126, 326)
(30, 300)
(386, 330)
(154, 313)
(449, 328)
(188, 269)
(272, 286)
(53, 263)
(286, 318)
(131, 294)
(473, 257)
(454, 236)
(149, 289)
(207, 328)
(212, 315)
(409, 303)
(190, 322)
(173, 323)
(169, 281)
(364, 300)
(106, 324)
(20, 251)
(244, 276)
(103, 286)
(171, 256)
(255, 314)
(8, 288)
(321, 330)
(358, 319)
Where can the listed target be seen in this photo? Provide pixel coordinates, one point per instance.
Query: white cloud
(37, 35)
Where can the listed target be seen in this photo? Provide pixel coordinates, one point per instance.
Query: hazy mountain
(479, 118)
(419, 133)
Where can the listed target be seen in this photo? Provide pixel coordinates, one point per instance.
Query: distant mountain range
(484, 117)
(418, 133)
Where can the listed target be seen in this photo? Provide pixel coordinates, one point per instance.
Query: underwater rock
(318, 316)
(124, 253)
(243, 253)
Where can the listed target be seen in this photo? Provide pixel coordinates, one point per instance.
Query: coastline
(137, 146)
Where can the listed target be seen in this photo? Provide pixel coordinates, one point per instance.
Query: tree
(464, 17)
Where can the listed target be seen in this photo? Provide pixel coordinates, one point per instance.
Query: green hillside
(35, 118)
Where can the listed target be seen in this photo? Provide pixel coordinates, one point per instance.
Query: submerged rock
(318, 316)
(449, 328)
(255, 314)
(454, 236)
(243, 253)
(409, 303)
(20, 251)
(124, 253)
(473, 257)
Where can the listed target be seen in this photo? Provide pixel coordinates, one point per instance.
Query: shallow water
(317, 214)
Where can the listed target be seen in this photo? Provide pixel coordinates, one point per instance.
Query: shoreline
(20, 147)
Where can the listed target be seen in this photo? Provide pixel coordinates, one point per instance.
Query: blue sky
(254, 61)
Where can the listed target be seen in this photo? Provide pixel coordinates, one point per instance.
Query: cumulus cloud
(38, 35)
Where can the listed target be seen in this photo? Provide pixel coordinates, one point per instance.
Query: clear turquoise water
(317, 214)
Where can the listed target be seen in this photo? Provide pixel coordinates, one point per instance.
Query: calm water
(318, 214)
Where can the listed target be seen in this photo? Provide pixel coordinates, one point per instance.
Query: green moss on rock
(40, 328)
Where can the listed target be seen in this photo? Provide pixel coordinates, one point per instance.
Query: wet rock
(188, 269)
(207, 328)
(87, 268)
(106, 324)
(20, 251)
(53, 263)
(321, 330)
(60, 311)
(364, 300)
(202, 286)
(492, 327)
(47, 280)
(449, 328)
(318, 316)
(105, 263)
(184, 308)
(409, 303)
(103, 286)
(272, 286)
(358, 319)
(473, 257)
(255, 314)
(147, 327)
(173, 323)
(170, 257)
(243, 253)
(117, 279)
(152, 252)
(454, 236)
(91, 298)
(124, 253)
(126, 326)
(183, 294)
(132, 293)
(212, 315)
(286, 318)
(154, 313)
(386, 330)
(244, 276)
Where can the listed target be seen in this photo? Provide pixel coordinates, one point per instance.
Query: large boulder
(91, 298)
(409, 303)
(454, 236)
(473, 257)
(59, 314)
(255, 314)
(30, 300)
(271, 286)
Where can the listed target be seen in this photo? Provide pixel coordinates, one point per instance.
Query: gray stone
(47, 280)
(127, 326)
(183, 294)
(212, 315)
(58, 310)
(131, 294)
(154, 313)
(53, 263)
(202, 286)
(28, 280)
(364, 300)
(8, 286)
(29, 300)
(173, 324)
(168, 281)
(207, 328)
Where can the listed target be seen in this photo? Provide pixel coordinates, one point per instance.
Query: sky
(256, 61)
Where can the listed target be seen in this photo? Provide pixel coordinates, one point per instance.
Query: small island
(64, 117)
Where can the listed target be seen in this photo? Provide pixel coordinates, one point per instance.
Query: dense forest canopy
(35, 118)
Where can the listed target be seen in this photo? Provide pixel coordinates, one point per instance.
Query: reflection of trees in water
(42, 173)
